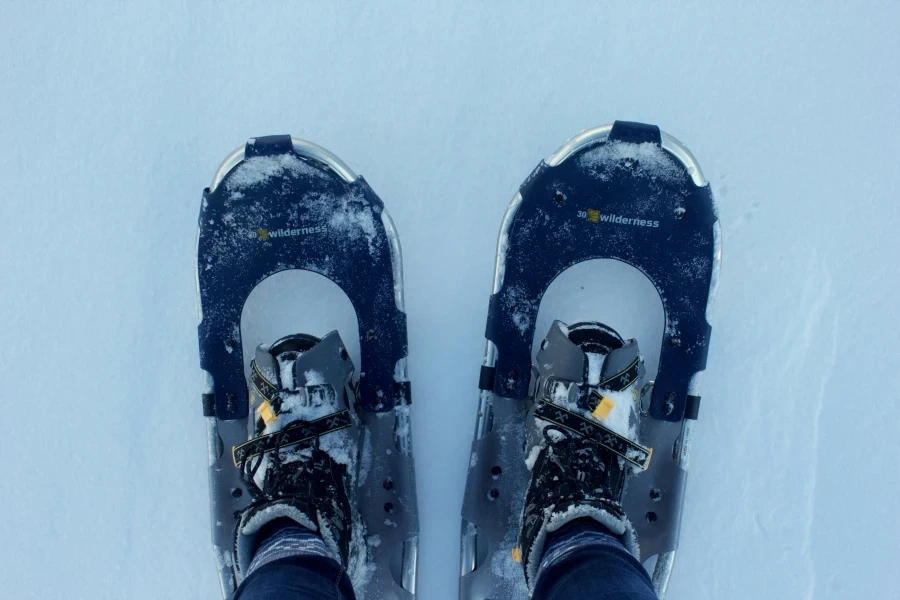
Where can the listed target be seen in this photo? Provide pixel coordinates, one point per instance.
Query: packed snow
(645, 160)
(259, 169)
(354, 220)
(116, 117)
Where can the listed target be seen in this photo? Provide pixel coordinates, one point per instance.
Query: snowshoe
(627, 192)
(280, 204)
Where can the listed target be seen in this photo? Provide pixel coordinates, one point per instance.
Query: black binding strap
(295, 433)
(635, 133)
(692, 407)
(612, 441)
(209, 405)
(486, 378)
(622, 380)
(616, 383)
(265, 388)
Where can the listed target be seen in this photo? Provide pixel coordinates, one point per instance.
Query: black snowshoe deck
(625, 192)
(280, 204)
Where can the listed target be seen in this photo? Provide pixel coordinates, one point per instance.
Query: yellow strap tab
(604, 407)
(265, 411)
(517, 554)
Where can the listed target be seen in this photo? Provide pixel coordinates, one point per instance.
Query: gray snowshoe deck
(625, 192)
(278, 204)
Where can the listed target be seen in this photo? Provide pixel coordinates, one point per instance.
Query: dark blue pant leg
(583, 560)
(297, 578)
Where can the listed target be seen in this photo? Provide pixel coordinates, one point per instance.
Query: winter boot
(301, 460)
(581, 438)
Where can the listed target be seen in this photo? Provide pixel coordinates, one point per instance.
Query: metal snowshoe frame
(554, 222)
(236, 250)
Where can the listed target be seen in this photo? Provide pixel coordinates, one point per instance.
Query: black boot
(301, 461)
(581, 442)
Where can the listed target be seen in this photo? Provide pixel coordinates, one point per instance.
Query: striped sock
(288, 541)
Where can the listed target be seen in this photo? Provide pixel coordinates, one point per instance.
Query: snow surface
(116, 116)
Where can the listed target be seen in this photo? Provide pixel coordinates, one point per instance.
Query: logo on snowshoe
(266, 235)
(595, 216)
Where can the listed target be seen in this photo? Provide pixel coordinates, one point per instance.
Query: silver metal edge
(316, 152)
(684, 156)
(490, 350)
(410, 557)
(502, 241)
(197, 276)
(662, 572)
(230, 162)
(396, 259)
(301, 147)
(467, 539)
(585, 138)
(468, 532)
(717, 264)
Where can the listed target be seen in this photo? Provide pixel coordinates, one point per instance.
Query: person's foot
(581, 441)
(301, 460)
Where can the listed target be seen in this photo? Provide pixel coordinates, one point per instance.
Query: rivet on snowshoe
(236, 492)
(388, 484)
(496, 471)
(511, 379)
(389, 507)
(651, 517)
(670, 402)
(655, 494)
(494, 494)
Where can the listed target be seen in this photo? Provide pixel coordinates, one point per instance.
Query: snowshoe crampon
(627, 192)
(282, 204)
